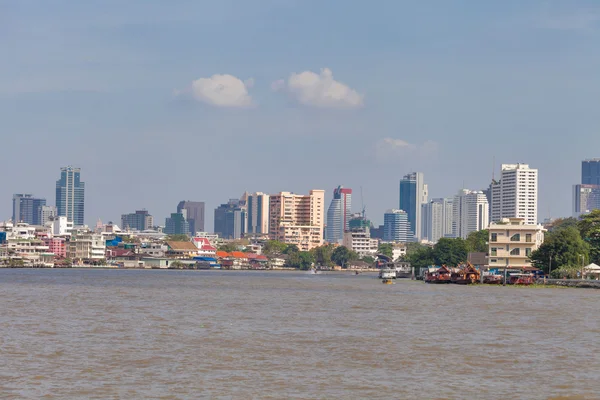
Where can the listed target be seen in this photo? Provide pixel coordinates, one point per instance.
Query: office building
(586, 198)
(515, 195)
(297, 219)
(257, 205)
(413, 193)
(396, 227)
(590, 171)
(511, 242)
(140, 220)
(194, 211)
(48, 214)
(437, 219)
(338, 214)
(359, 240)
(230, 220)
(27, 209)
(177, 224)
(70, 195)
(470, 211)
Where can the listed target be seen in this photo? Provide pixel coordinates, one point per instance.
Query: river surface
(150, 334)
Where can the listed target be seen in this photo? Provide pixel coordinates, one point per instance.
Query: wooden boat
(387, 281)
(440, 275)
(521, 279)
(492, 279)
(465, 275)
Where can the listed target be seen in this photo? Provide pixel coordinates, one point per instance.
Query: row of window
(514, 238)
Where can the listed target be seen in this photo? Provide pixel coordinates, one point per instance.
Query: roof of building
(239, 254)
(204, 244)
(223, 254)
(182, 246)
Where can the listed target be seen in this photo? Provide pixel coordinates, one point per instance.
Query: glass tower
(70, 192)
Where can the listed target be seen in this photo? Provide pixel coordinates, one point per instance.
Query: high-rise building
(257, 205)
(585, 199)
(338, 214)
(70, 195)
(437, 219)
(297, 219)
(177, 224)
(590, 171)
(48, 214)
(470, 213)
(515, 195)
(28, 209)
(194, 214)
(230, 220)
(396, 227)
(137, 221)
(413, 193)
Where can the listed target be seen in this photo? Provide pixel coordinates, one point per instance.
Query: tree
(477, 241)
(341, 255)
(322, 255)
(228, 247)
(562, 223)
(291, 249)
(421, 257)
(562, 248)
(387, 249)
(178, 238)
(302, 260)
(272, 247)
(368, 259)
(589, 228)
(450, 252)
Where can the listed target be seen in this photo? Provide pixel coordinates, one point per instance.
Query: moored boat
(521, 279)
(438, 275)
(465, 275)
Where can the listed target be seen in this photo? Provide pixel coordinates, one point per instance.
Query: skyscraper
(585, 199)
(590, 171)
(230, 220)
(338, 214)
(413, 193)
(137, 221)
(70, 192)
(194, 214)
(258, 213)
(48, 214)
(28, 209)
(297, 219)
(515, 195)
(396, 227)
(437, 219)
(470, 213)
(177, 224)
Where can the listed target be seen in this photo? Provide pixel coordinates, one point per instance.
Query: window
(528, 237)
(516, 237)
(515, 252)
(528, 252)
(494, 237)
(494, 251)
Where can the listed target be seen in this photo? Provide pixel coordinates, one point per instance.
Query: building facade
(86, 246)
(140, 220)
(230, 220)
(413, 193)
(470, 211)
(257, 205)
(515, 195)
(590, 171)
(70, 195)
(437, 216)
(360, 241)
(338, 214)
(298, 219)
(396, 227)
(48, 214)
(27, 209)
(585, 199)
(194, 214)
(177, 224)
(511, 242)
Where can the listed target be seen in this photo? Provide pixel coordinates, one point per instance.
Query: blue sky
(163, 101)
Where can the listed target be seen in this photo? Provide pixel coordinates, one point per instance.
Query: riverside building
(515, 195)
(511, 242)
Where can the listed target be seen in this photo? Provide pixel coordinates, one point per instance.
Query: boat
(521, 279)
(387, 281)
(403, 270)
(492, 279)
(356, 273)
(465, 275)
(438, 275)
(313, 271)
(387, 273)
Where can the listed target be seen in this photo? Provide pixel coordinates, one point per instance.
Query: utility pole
(550, 265)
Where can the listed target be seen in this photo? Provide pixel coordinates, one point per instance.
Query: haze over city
(159, 102)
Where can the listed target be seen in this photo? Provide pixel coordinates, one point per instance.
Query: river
(151, 334)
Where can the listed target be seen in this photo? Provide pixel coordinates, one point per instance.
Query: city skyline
(444, 102)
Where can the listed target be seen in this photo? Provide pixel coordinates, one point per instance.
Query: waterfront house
(181, 249)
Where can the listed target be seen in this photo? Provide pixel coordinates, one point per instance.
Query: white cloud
(319, 90)
(223, 91)
(390, 149)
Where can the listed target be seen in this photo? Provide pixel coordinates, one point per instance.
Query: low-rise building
(181, 249)
(359, 240)
(398, 251)
(205, 249)
(86, 246)
(511, 242)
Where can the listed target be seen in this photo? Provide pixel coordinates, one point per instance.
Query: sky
(162, 101)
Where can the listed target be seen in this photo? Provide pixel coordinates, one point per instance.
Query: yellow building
(297, 219)
(511, 242)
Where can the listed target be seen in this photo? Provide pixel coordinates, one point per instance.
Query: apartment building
(470, 213)
(86, 246)
(511, 242)
(515, 195)
(359, 240)
(297, 219)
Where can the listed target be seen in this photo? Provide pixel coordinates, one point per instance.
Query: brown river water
(149, 334)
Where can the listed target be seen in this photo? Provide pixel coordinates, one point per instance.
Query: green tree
(228, 247)
(563, 248)
(322, 255)
(421, 257)
(387, 249)
(291, 249)
(272, 247)
(341, 255)
(178, 238)
(450, 252)
(562, 223)
(589, 228)
(301, 259)
(477, 241)
(368, 259)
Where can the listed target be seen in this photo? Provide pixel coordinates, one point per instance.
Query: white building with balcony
(512, 241)
(86, 246)
(359, 240)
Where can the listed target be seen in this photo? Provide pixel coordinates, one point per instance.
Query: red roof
(239, 254)
(223, 254)
(204, 244)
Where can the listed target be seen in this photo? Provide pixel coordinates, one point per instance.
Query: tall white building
(437, 218)
(48, 214)
(515, 195)
(338, 214)
(470, 211)
(258, 213)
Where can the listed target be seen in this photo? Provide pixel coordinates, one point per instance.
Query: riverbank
(572, 283)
